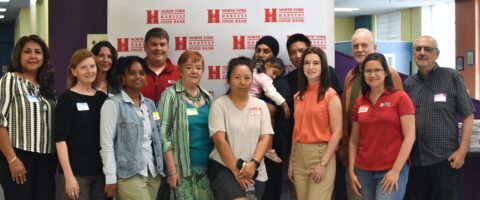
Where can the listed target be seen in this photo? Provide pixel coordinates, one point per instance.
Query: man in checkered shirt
(439, 94)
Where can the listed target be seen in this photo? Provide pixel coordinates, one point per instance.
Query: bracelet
(12, 160)
(257, 164)
(323, 162)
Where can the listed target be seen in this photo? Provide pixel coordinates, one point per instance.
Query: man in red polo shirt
(161, 72)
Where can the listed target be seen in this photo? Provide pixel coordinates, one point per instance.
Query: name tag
(363, 109)
(156, 116)
(82, 106)
(255, 111)
(32, 98)
(442, 97)
(192, 111)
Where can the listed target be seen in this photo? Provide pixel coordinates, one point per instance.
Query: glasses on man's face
(425, 49)
(373, 71)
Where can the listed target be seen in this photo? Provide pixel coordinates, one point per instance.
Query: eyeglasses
(426, 49)
(372, 71)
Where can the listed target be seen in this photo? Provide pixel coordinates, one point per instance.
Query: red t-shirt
(380, 128)
(156, 84)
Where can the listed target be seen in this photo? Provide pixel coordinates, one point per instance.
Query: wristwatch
(323, 162)
(257, 164)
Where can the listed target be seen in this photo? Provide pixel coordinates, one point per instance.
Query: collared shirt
(380, 129)
(26, 114)
(174, 125)
(156, 83)
(437, 97)
(347, 95)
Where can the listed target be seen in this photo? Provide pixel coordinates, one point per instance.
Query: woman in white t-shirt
(241, 130)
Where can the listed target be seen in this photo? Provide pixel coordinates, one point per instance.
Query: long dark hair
(45, 75)
(388, 83)
(325, 82)
(112, 79)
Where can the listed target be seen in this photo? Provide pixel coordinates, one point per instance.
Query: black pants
(438, 181)
(40, 177)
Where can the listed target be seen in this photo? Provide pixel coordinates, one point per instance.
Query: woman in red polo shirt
(383, 132)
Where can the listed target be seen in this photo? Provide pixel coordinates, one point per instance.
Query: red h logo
(181, 43)
(270, 15)
(239, 42)
(213, 72)
(122, 44)
(152, 16)
(213, 16)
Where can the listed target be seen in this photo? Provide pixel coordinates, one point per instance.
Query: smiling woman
(27, 102)
(184, 109)
(77, 132)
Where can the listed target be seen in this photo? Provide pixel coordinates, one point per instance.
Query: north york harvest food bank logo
(166, 16)
(130, 44)
(196, 43)
(227, 15)
(284, 15)
(242, 42)
(217, 72)
(318, 41)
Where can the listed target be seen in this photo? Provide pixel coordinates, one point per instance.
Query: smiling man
(161, 72)
(439, 94)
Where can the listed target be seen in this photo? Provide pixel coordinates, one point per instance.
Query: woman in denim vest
(130, 137)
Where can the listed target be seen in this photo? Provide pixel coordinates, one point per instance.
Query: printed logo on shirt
(385, 104)
(171, 81)
(255, 111)
(441, 97)
(363, 109)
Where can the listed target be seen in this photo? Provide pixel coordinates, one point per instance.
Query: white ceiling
(370, 7)
(366, 7)
(13, 8)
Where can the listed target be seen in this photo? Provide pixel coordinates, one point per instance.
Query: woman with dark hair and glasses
(106, 57)
(383, 132)
(27, 103)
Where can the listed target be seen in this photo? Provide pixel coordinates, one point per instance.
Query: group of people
(143, 128)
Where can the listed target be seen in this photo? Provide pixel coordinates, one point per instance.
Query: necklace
(196, 99)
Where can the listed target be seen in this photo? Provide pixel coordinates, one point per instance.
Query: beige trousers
(306, 157)
(138, 187)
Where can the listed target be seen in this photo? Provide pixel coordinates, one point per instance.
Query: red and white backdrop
(219, 29)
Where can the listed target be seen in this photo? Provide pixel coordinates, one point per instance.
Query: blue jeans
(372, 186)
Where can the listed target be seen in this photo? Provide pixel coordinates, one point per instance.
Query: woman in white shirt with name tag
(77, 131)
(27, 101)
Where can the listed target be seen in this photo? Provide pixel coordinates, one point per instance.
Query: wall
(6, 43)
(344, 28)
(465, 37)
(69, 23)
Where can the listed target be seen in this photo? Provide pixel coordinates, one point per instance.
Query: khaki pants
(306, 157)
(138, 187)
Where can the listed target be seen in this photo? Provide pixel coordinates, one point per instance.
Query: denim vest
(129, 138)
